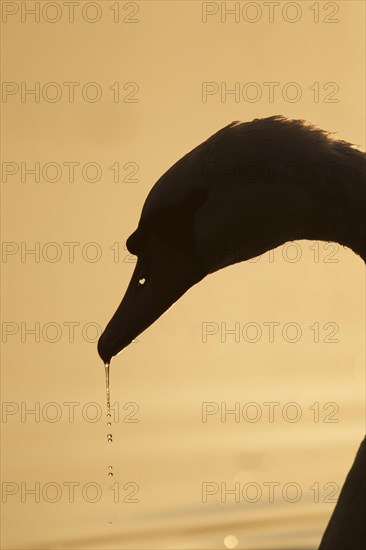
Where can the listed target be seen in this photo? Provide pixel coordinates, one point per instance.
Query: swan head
(247, 189)
(179, 244)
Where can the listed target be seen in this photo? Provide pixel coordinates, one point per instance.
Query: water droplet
(106, 365)
(110, 467)
(109, 436)
(110, 523)
(231, 541)
(110, 474)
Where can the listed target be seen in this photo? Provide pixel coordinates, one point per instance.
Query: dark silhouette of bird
(249, 188)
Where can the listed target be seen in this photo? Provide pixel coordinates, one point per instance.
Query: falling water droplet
(106, 365)
(109, 436)
(108, 395)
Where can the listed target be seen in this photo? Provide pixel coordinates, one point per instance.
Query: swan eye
(141, 281)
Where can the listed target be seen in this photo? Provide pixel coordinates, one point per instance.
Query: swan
(249, 188)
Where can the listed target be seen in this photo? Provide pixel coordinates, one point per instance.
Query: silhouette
(249, 188)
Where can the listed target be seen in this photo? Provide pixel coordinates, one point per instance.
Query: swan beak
(148, 296)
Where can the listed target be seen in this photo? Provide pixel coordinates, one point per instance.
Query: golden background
(168, 52)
